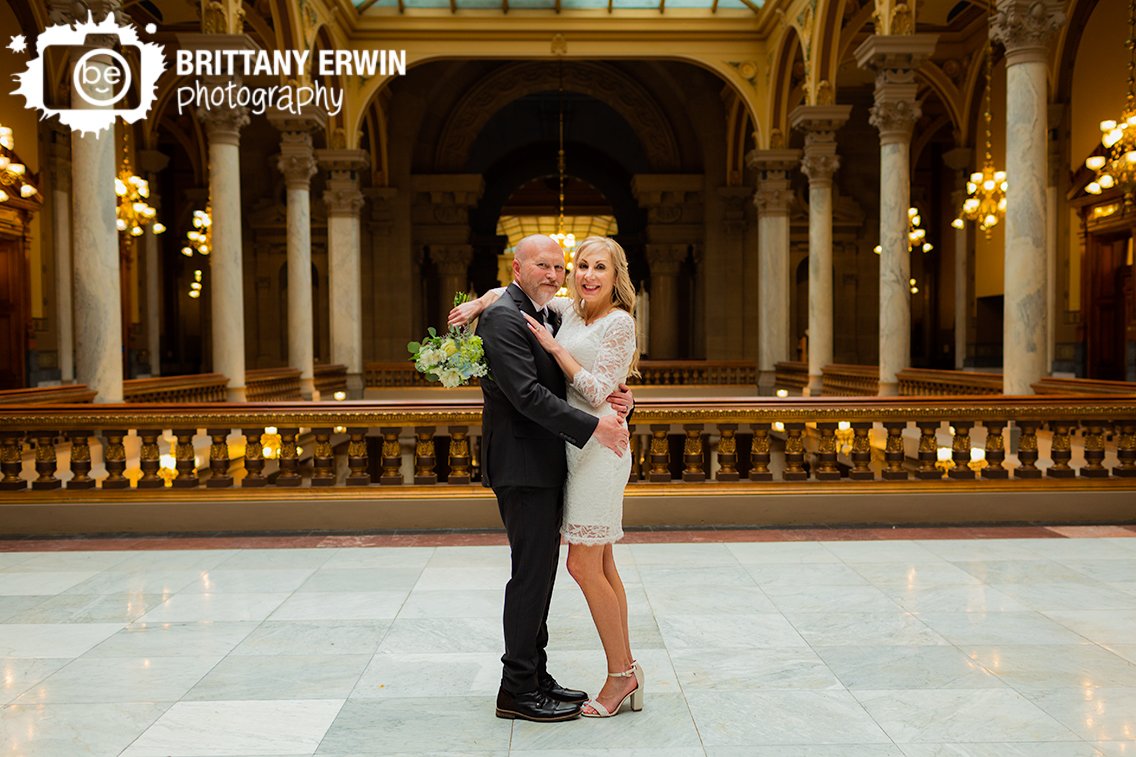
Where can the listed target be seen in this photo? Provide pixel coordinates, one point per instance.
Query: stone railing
(353, 444)
(205, 387)
(45, 395)
(925, 382)
(272, 384)
(1093, 387)
(652, 373)
(791, 375)
(850, 380)
(330, 379)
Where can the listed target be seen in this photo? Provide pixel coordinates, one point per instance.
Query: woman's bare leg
(613, 578)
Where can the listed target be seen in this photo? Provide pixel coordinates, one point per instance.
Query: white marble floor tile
(752, 669)
(390, 578)
(247, 580)
(42, 582)
(758, 630)
(173, 639)
(1027, 571)
(314, 637)
(371, 605)
(460, 603)
(587, 669)
(10, 606)
(579, 633)
(11, 559)
(713, 576)
(702, 600)
(569, 602)
(183, 608)
(980, 598)
(146, 679)
(895, 628)
(817, 598)
(195, 729)
(1080, 549)
(782, 552)
(663, 723)
(925, 667)
(1003, 749)
(408, 676)
(914, 576)
(382, 726)
(72, 561)
(1057, 597)
(693, 555)
(805, 574)
(254, 677)
(961, 716)
(17, 674)
(1033, 668)
(464, 578)
(809, 750)
(693, 751)
(990, 628)
(174, 559)
(53, 639)
(355, 558)
(74, 730)
(89, 608)
(435, 635)
(966, 550)
(1127, 651)
(868, 551)
(770, 718)
(1096, 714)
(489, 556)
(138, 581)
(1100, 626)
(1113, 748)
(257, 559)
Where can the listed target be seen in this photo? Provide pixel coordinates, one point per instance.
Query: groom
(525, 424)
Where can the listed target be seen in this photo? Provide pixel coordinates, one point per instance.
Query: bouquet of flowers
(452, 359)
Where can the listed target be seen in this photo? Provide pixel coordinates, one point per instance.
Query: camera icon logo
(106, 82)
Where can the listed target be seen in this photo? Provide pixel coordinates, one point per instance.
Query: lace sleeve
(617, 347)
(560, 305)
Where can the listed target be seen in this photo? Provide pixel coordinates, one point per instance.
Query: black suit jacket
(526, 420)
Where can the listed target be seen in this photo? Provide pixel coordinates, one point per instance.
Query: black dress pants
(532, 522)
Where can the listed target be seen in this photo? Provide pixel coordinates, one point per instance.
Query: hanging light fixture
(199, 240)
(916, 234)
(566, 240)
(1117, 167)
(133, 213)
(985, 201)
(13, 173)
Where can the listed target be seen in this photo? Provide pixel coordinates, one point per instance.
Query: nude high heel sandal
(635, 695)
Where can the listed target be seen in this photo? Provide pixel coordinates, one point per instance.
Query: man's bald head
(538, 267)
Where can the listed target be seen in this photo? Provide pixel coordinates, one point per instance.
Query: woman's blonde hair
(622, 291)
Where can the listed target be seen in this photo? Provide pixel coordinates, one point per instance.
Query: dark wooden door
(1106, 265)
(13, 314)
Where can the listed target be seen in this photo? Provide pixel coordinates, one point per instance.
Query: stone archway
(512, 82)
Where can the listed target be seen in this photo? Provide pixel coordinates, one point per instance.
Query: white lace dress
(593, 495)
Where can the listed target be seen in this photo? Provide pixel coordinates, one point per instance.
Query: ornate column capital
(1025, 28)
(665, 259)
(297, 159)
(223, 17)
(224, 126)
(69, 11)
(894, 59)
(774, 191)
(452, 259)
(820, 124)
(669, 198)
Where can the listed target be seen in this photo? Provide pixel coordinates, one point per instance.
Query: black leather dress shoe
(535, 706)
(553, 690)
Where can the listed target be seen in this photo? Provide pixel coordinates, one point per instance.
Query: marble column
(298, 164)
(344, 201)
(774, 194)
(150, 162)
(452, 262)
(894, 59)
(226, 272)
(959, 160)
(59, 178)
(1025, 27)
(1053, 195)
(820, 124)
(665, 261)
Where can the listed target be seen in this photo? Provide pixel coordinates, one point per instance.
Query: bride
(595, 347)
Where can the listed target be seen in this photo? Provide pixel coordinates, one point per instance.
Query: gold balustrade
(850, 380)
(330, 379)
(1095, 387)
(791, 375)
(43, 395)
(926, 382)
(272, 384)
(652, 373)
(205, 387)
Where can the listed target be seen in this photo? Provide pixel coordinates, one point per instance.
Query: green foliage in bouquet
(452, 359)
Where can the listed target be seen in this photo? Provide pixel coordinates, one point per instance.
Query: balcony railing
(653, 372)
(388, 444)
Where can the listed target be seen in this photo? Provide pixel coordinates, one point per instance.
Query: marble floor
(794, 647)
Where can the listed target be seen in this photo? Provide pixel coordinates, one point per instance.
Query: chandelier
(12, 171)
(133, 213)
(916, 234)
(566, 240)
(199, 239)
(1117, 167)
(985, 201)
